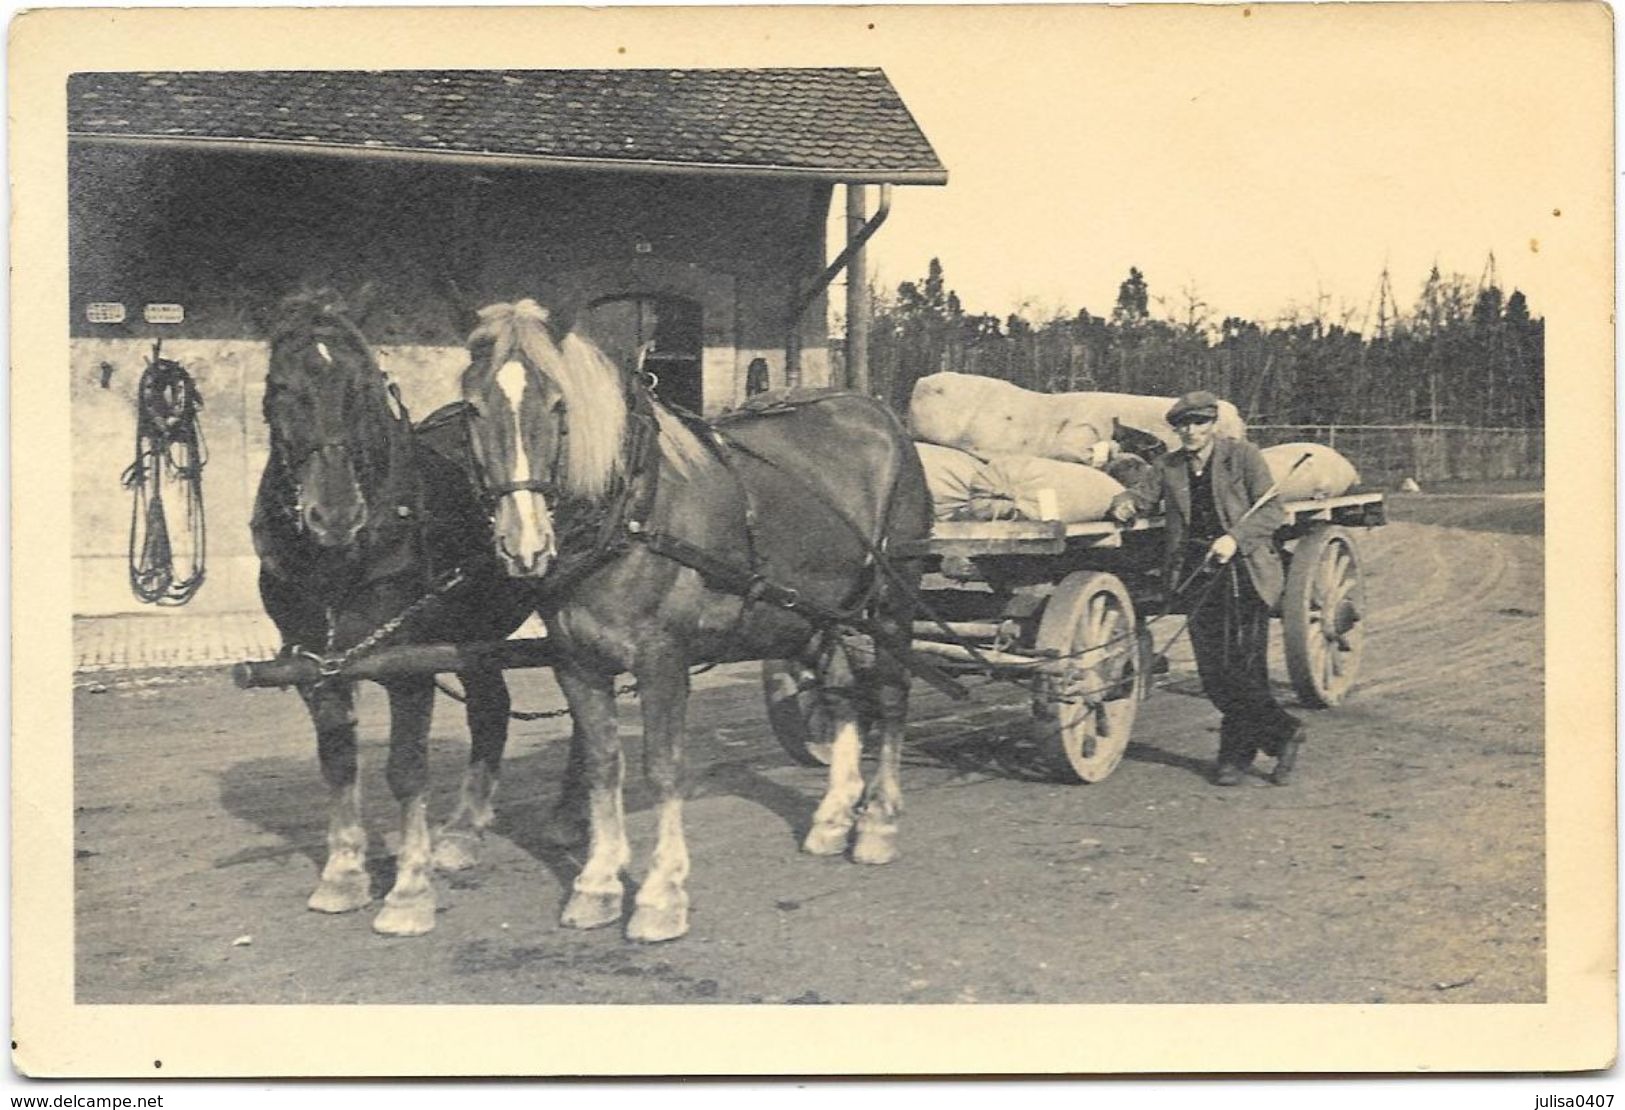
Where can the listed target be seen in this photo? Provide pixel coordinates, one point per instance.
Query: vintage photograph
(985, 507)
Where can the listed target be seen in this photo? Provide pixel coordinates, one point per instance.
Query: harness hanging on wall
(169, 458)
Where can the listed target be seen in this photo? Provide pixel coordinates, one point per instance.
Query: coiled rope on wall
(169, 456)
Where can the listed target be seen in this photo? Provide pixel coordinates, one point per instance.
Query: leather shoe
(1228, 774)
(1287, 761)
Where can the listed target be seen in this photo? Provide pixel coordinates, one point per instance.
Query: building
(683, 208)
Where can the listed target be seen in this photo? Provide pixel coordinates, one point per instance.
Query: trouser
(1230, 633)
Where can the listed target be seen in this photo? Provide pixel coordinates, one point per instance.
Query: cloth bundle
(989, 416)
(1325, 473)
(1014, 487)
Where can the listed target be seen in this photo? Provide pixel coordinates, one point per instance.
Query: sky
(1258, 159)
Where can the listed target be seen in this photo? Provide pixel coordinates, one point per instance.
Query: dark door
(665, 332)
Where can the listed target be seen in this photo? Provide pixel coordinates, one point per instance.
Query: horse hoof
(344, 895)
(408, 917)
(456, 851)
(653, 924)
(588, 910)
(826, 840)
(875, 846)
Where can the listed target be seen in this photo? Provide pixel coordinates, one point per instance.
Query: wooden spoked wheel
(793, 712)
(1321, 612)
(1088, 696)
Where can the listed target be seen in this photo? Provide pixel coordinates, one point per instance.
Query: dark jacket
(1240, 478)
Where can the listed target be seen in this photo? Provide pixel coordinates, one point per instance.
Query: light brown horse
(655, 551)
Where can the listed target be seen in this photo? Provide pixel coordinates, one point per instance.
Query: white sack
(954, 478)
(989, 416)
(1030, 488)
(1325, 474)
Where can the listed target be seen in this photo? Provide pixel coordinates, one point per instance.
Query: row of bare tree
(1463, 354)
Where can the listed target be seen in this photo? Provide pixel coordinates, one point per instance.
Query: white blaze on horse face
(321, 349)
(526, 533)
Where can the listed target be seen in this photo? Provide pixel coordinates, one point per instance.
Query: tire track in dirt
(1456, 638)
(1468, 567)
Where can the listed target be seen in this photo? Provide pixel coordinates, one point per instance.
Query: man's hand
(1223, 549)
(1122, 508)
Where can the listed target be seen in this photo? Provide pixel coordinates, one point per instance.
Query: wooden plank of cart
(1066, 605)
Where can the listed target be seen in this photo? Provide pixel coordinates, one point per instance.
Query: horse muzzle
(332, 508)
(524, 534)
(334, 528)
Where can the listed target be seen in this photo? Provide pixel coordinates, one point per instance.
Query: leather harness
(622, 521)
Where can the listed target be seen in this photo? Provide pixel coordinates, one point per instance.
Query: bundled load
(953, 477)
(988, 417)
(1325, 473)
(1014, 487)
(1031, 488)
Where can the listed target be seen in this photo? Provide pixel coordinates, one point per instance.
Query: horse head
(331, 414)
(546, 419)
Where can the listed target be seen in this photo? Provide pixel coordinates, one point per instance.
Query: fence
(1387, 454)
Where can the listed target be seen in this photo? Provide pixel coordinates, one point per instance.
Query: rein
(623, 521)
(169, 447)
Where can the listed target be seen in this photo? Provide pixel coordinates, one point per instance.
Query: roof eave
(516, 161)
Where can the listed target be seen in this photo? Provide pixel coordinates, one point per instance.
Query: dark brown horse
(656, 551)
(357, 522)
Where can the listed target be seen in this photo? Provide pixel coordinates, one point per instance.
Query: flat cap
(1199, 403)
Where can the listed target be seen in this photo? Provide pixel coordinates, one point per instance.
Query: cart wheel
(1321, 611)
(793, 712)
(1087, 701)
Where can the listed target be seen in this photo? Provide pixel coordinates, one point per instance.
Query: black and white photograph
(1027, 522)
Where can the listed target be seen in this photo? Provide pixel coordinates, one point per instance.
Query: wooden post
(857, 293)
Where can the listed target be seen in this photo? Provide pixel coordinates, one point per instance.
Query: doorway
(670, 327)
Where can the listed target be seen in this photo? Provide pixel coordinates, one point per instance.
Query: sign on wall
(105, 312)
(163, 314)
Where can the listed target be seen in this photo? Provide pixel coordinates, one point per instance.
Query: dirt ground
(1405, 864)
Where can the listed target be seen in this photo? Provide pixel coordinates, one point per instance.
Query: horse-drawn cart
(1069, 607)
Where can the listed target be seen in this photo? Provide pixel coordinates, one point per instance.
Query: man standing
(1220, 532)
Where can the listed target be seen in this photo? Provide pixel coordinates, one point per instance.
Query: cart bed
(972, 538)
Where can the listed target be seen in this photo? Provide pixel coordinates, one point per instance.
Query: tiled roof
(840, 124)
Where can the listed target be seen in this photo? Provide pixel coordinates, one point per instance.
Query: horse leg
(409, 907)
(344, 885)
(662, 902)
(596, 897)
(566, 824)
(832, 822)
(457, 844)
(876, 840)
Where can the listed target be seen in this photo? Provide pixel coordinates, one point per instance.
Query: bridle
(293, 460)
(550, 485)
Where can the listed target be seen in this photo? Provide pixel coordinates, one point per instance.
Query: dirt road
(1404, 865)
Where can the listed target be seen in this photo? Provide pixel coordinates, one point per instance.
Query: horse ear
(256, 317)
(364, 299)
(461, 312)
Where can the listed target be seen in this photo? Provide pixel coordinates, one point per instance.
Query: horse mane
(593, 395)
(679, 444)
